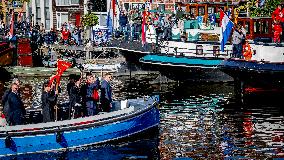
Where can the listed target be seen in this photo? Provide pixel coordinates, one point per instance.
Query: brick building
(53, 13)
(18, 8)
(164, 4)
(67, 11)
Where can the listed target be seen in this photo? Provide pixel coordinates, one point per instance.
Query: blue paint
(96, 134)
(253, 65)
(189, 61)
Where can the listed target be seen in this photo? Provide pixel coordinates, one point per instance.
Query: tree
(19, 0)
(90, 19)
(261, 11)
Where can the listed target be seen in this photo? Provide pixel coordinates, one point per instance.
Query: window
(216, 50)
(99, 5)
(61, 18)
(199, 49)
(47, 24)
(74, 2)
(47, 15)
(201, 11)
(62, 2)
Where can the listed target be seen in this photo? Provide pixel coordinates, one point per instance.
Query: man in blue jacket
(106, 93)
(92, 84)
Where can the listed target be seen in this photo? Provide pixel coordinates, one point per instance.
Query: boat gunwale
(71, 127)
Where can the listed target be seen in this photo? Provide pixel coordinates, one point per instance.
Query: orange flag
(61, 67)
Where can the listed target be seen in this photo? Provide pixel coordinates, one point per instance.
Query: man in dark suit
(106, 93)
(48, 99)
(16, 109)
(5, 103)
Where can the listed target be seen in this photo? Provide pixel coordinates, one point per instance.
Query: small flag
(143, 28)
(113, 7)
(226, 28)
(11, 33)
(109, 25)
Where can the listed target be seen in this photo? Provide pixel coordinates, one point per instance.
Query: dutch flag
(226, 28)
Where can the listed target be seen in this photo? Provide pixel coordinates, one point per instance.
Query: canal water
(198, 121)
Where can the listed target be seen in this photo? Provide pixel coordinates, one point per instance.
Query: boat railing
(66, 124)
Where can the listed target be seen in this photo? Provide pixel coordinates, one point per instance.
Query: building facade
(53, 13)
(41, 13)
(17, 7)
(69, 11)
(163, 4)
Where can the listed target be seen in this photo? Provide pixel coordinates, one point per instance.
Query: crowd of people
(130, 23)
(68, 34)
(87, 97)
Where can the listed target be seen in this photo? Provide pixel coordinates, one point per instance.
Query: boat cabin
(258, 28)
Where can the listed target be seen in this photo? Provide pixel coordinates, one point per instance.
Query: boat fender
(59, 136)
(8, 141)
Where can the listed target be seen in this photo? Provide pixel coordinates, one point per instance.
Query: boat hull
(95, 133)
(254, 72)
(186, 68)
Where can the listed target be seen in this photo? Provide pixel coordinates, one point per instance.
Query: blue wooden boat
(187, 68)
(128, 118)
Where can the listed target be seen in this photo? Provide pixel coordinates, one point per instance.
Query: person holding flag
(54, 83)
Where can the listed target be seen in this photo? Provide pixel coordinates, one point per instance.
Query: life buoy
(247, 51)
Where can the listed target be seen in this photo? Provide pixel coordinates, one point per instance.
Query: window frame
(69, 3)
(57, 18)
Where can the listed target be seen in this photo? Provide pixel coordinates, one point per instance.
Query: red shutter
(77, 22)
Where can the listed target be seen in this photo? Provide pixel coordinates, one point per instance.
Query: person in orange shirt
(247, 51)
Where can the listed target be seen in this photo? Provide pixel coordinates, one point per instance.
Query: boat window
(201, 11)
(210, 10)
(257, 27)
(99, 5)
(216, 50)
(193, 11)
(247, 27)
(264, 26)
(199, 49)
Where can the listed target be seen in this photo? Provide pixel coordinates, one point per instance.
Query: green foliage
(90, 19)
(265, 11)
(19, 1)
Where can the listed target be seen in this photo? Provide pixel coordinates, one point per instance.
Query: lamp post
(89, 9)
(33, 20)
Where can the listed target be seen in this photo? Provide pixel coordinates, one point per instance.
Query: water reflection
(213, 126)
(199, 121)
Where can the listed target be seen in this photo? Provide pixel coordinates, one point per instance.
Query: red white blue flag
(226, 28)
(11, 33)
